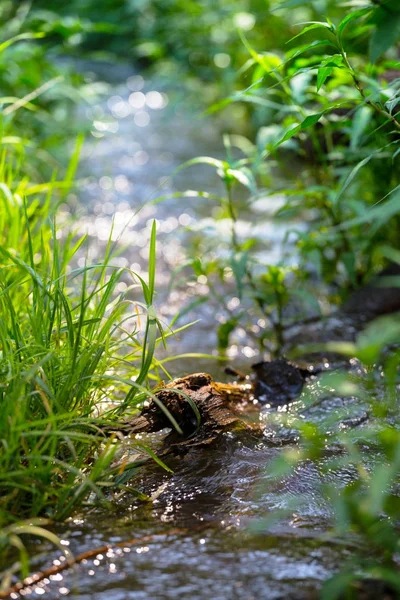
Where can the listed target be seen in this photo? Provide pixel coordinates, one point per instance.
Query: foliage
(75, 350)
(321, 114)
(329, 106)
(196, 41)
(39, 93)
(326, 108)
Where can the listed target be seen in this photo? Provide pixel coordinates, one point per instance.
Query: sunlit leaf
(327, 67)
(314, 25)
(357, 14)
(323, 74)
(245, 177)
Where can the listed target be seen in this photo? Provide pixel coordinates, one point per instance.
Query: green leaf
(314, 25)
(289, 134)
(268, 62)
(152, 261)
(361, 120)
(294, 129)
(21, 36)
(297, 51)
(327, 67)
(350, 17)
(191, 403)
(205, 160)
(322, 76)
(379, 214)
(153, 455)
(336, 587)
(391, 253)
(349, 261)
(245, 177)
(311, 120)
(386, 34)
(290, 4)
(352, 175)
(392, 104)
(224, 332)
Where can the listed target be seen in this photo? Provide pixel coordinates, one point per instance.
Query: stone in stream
(277, 382)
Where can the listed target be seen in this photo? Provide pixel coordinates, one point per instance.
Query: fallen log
(198, 409)
(201, 408)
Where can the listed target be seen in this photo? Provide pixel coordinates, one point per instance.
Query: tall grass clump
(74, 349)
(77, 339)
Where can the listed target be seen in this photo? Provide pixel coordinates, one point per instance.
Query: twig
(67, 564)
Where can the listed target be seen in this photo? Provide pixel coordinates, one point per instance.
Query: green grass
(74, 352)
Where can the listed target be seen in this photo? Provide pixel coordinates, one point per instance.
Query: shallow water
(218, 526)
(227, 490)
(221, 499)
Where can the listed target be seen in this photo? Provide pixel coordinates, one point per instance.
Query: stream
(221, 499)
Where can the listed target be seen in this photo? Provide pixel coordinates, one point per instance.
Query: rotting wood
(203, 408)
(217, 406)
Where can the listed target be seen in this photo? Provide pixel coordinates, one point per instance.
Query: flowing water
(238, 554)
(140, 137)
(209, 531)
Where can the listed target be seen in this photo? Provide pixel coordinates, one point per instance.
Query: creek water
(210, 523)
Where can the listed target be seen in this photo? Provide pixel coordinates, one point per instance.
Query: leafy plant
(329, 106)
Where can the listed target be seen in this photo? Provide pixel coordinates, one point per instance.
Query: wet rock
(277, 382)
(198, 409)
